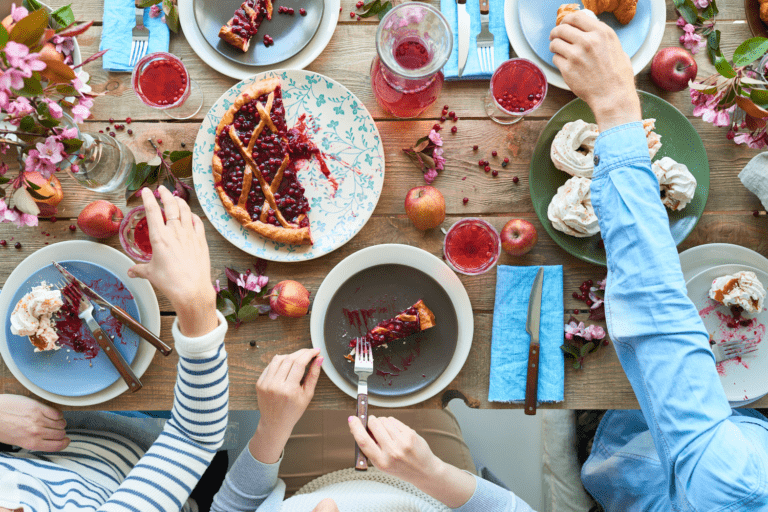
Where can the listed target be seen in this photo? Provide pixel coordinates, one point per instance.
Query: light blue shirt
(687, 450)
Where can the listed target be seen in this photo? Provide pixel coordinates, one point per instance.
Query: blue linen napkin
(510, 341)
(119, 20)
(495, 25)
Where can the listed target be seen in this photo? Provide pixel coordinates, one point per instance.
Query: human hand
(283, 398)
(180, 265)
(398, 450)
(593, 64)
(327, 505)
(34, 426)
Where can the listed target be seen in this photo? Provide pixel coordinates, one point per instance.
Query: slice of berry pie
(253, 172)
(245, 23)
(410, 321)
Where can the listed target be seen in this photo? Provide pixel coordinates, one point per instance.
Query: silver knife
(463, 27)
(120, 314)
(532, 326)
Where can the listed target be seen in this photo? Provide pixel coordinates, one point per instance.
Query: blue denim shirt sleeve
(661, 341)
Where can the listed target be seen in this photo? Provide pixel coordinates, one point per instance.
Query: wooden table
(601, 384)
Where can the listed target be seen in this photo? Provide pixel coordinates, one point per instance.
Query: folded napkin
(754, 176)
(119, 20)
(495, 25)
(510, 341)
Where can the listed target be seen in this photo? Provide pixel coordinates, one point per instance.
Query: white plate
(345, 130)
(110, 259)
(240, 71)
(743, 381)
(641, 59)
(401, 255)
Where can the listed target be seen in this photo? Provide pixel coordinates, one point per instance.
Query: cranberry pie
(410, 321)
(245, 23)
(253, 172)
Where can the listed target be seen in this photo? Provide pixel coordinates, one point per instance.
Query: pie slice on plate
(253, 172)
(245, 23)
(415, 319)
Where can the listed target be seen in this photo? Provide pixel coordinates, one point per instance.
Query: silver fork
(140, 39)
(485, 51)
(732, 349)
(363, 369)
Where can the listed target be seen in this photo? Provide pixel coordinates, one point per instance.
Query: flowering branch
(581, 340)
(698, 28)
(428, 152)
(238, 302)
(172, 165)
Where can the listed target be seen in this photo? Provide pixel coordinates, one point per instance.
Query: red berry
(359, 4)
(515, 180)
(456, 118)
(101, 131)
(590, 282)
(605, 343)
(481, 163)
(756, 213)
(506, 160)
(341, 9)
(451, 114)
(128, 120)
(358, 17)
(589, 302)
(454, 129)
(495, 173)
(111, 134)
(444, 112)
(494, 154)
(474, 148)
(437, 127)
(466, 200)
(72, 227)
(130, 132)
(111, 120)
(576, 311)
(4, 243)
(159, 141)
(445, 107)
(442, 119)
(18, 245)
(352, 15)
(303, 12)
(487, 168)
(53, 219)
(575, 295)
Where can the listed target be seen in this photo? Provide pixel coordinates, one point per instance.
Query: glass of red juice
(162, 81)
(413, 43)
(518, 87)
(134, 235)
(472, 246)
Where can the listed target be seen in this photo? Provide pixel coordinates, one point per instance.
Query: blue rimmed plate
(66, 372)
(539, 20)
(343, 129)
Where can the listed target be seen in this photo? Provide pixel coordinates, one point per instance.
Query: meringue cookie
(654, 139)
(676, 182)
(571, 211)
(572, 151)
(741, 289)
(32, 317)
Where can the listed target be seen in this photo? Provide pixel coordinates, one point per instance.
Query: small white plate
(343, 129)
(400, 255)
(742, 380)
(116, 262)
(640, 59)
(241, 71)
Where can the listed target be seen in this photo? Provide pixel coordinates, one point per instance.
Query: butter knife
(463, 28)
(120, 314)
(532, 326)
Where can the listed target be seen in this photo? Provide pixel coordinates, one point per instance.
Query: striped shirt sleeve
(165, 476)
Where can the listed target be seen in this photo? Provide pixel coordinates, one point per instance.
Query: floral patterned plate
(340, 125)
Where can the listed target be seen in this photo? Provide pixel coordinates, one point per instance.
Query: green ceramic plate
(680, 141)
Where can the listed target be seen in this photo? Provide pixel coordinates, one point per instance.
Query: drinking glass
(103, 163)
(518, 87)
(162, 81)
(134, 234)
(472, 246)
(413, 43)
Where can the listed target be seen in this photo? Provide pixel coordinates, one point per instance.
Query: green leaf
(759, 96)
(750, 50)
(373, 10)
(146, 3)
(2, 192)
(32, 88)
(182, 168)
(138, 176)
(724, 67)
(687, 10)
(32, 5)
(4, 180)
(72, 145)
(37, 195)
(27, 124)
(66, 90)
(577, 364)
(248, 313)
(727, 100)
(172, 18)
(569, 350)
(64, 16)
(713, 46)
(711, 11)
(175, 156)
(586, 348)
(384, 10)
(30, 29)
(31, 185)
(4, 35)
(227, 308)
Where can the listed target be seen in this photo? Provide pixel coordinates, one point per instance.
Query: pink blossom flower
(54, 108)
(26, 219)
(64, 45)
(52, 149)
(751, 140)
(81, 113)
(691, 40)
(19, 57)
(162, 19)
(701, 4)
(430, 176)
(262, 281)
(593, 332)
(7, 214)
(20, 107)
(573, 329)
(601, 284)
(11, 78)
(69, 133)
(18, 13)
(681, 22)
(437, 156)
(154, 11)
(217, 286)
(3, 168)
(74, 168)
(435, 138)
(249, 281)
(4, 98)
(597, 301)
(34, 162)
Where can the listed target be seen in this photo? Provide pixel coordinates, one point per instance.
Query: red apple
(672, 68)
(289, 298)
(518, 236)
(425, 207)
(100, 219)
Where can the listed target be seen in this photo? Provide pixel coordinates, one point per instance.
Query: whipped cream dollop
(32, 317)
(677, 184)
(571, 211)
(742, 289)
(654, 139)
(572, 151)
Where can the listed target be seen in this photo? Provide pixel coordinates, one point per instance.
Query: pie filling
(269, 154)
(246, 21)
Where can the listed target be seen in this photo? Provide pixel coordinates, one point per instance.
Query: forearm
(197, 316)
(173, 465)
(248, 485)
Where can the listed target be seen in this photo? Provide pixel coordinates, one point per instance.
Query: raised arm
(164, 477)
(660, 340)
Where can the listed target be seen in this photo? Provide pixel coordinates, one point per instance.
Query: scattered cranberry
(504, 164)
(576, 311)
(506, 160)
(303, 12)
(101, 131)
(494, 154)
(4, 243)
(18, 245)
(129, 132)
(590, 282)
(360, 4)
(111, 120)
(72, 227)
(358, 17)
(454, 129)
(451, 114)
(81, 156)
(159, 141)
(442, 119)
(465, 200)
(253, 343)
(112, 134)
(756, 213)
(437, 127)
(341, 9)
(487, 168)
(575, 295)
(352, 15)
(515, 180)
(474, 148)
(53, 219)
(455, 118)
(605, 343)
(445, 112)
(128, 120)
(290, 11)
(589, 302)
(481, 163)
(495, 173)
